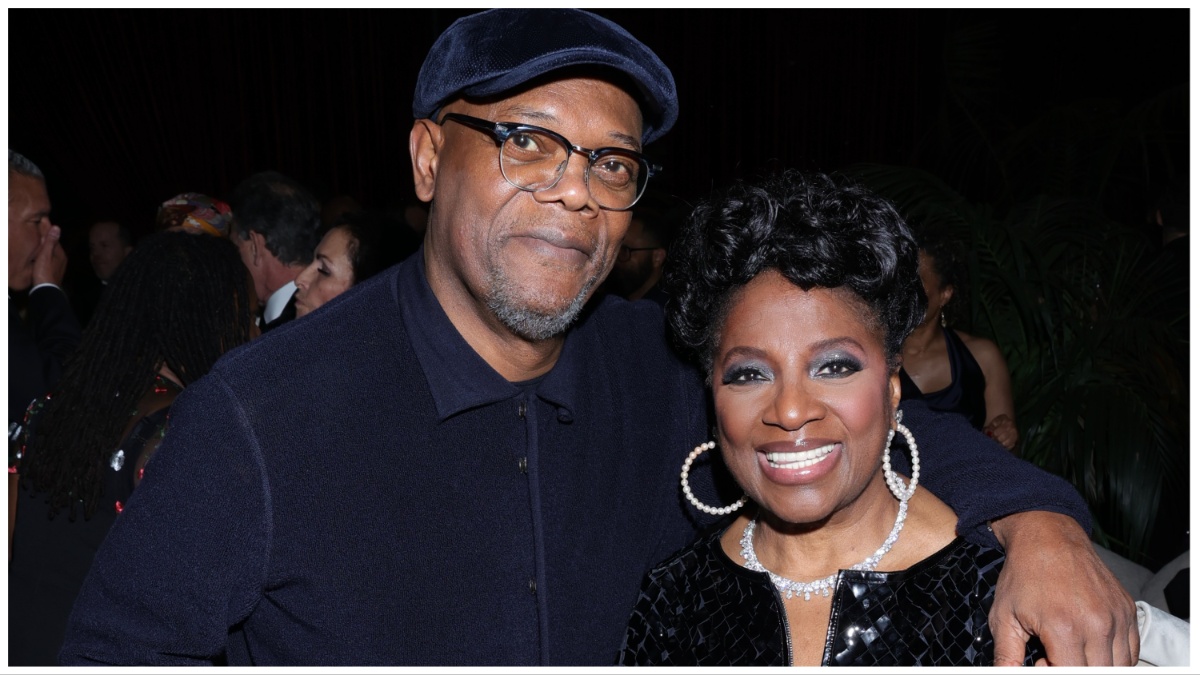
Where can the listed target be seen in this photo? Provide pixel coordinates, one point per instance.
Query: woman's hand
(1054, 586)
(1003, 430)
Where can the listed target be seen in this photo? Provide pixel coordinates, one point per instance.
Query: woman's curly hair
(815, 230)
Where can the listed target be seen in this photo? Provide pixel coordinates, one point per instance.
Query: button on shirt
(395, 501)
(361, 488)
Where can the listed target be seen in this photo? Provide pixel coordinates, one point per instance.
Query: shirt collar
(459, 379)
(277, 301)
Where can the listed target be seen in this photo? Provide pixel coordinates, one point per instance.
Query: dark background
(124, 109)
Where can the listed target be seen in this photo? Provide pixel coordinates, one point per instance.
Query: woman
(952, 370)
(355, 248)
(796, 296)
(176, 304)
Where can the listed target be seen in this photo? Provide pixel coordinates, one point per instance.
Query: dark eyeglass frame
(501, 131)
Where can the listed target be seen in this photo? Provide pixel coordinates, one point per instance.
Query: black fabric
(37, 348)
(964, 395)
(699, 608)
(1178, 594)
(376, 494)
(52, 557)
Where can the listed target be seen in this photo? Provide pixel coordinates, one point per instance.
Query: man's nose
(572, 188)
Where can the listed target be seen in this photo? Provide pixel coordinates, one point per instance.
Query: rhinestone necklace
(788, 587)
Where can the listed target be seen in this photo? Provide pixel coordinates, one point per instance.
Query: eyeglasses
(534, 159)
(624, 253)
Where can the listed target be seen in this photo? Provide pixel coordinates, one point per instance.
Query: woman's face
(329, 274)
(804, 397)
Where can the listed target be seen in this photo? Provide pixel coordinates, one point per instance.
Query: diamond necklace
(788, 587)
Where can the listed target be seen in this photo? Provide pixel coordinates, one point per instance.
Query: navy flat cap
(499, 50)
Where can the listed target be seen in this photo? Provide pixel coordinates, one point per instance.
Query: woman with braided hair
(175, 305)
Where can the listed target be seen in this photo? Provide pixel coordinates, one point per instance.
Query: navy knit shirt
(359, 487)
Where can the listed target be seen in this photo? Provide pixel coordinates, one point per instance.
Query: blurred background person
(357, 247)
(275, 226)
(174, 306)
(949, 369)
(109, 242)
(42, 329)
(639, 264)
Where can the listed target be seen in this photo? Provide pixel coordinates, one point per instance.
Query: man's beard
(525, 321)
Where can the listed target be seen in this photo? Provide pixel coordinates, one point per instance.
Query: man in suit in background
(275, 223)
(39, 342)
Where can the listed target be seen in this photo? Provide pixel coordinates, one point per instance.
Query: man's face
(528, 260)
(28, 221)
(105, 248)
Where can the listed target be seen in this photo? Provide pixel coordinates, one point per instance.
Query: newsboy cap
(499, 50)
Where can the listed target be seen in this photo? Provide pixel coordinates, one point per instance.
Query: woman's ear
(894, 383)
(947, 292)
(424, 144)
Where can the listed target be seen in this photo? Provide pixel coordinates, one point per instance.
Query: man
(108, 244)
(464, 464)
(275, 224)
(40, 343)
(639, 265)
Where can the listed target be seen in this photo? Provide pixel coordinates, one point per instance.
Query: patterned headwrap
(194, 212)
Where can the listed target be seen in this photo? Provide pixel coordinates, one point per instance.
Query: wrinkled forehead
(27, 194)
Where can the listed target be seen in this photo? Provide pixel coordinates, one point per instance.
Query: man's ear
(424, 144)
(258, 247)
(658, 256)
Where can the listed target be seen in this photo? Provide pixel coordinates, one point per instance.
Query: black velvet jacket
(699, 608)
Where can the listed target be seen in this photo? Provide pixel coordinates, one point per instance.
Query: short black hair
(816, 231)
(282, 211)
(376, 242)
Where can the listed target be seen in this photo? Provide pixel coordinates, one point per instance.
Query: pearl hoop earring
(894, 482)
(687, 490)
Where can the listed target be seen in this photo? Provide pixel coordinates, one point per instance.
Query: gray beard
(526, 322)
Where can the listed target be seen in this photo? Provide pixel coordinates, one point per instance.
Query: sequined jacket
(699, 608)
